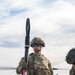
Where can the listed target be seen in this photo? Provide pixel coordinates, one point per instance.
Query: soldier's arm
(21, 65)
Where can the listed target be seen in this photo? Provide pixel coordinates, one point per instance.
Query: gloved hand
(22, 65)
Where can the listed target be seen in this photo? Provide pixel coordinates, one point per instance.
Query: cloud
(68, 29)
(70, 1)
(55, 19)
(9, 44)
(14, 12)
(52, 20)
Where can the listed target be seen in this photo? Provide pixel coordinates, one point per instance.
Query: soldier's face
(37, 49)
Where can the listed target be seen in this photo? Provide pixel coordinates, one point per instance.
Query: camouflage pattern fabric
(72, 71)
(37, 65)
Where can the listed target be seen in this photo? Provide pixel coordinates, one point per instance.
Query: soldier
(37, 64)
(70, 59)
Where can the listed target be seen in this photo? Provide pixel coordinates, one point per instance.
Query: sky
(52, 20)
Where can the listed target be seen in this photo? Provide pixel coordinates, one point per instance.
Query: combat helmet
(70, 57)
(37, 40)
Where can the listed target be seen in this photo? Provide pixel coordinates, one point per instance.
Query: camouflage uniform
(37, 65)
(70, 59)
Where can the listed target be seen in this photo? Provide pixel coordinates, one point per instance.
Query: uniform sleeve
(21, 65)
(50, 67)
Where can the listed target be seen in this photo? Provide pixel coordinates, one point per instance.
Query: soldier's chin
(37, 51)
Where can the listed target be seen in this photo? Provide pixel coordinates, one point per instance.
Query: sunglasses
(33, 45)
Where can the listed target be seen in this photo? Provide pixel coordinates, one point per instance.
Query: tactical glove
(22, 65)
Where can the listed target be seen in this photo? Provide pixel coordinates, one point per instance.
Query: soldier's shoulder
(31, 55)
(45, 58)
(22, 59)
